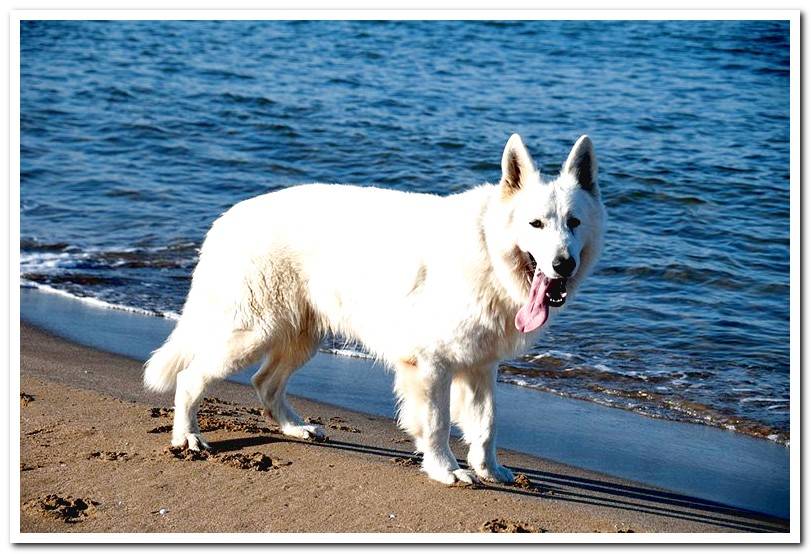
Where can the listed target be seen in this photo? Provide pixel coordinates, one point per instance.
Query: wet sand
(94, 458)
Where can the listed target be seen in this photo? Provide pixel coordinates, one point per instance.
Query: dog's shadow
(568, 488)
(231, 445)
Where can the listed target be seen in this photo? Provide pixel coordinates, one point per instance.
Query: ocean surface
(135, 136)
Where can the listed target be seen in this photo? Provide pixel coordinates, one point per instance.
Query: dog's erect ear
(516, 165)
(582, 163)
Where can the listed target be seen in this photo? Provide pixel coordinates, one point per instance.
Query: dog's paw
(192, 441)
(496, 473)
(306, 432)
(451, 476)
(466, 476)
(442, 475)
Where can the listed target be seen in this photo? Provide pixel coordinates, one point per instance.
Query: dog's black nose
(563, 266)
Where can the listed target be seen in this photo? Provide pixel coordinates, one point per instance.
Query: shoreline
(98, 448)
(511, 374)
(684, 458)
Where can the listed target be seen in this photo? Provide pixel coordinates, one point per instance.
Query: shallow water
(136, 135)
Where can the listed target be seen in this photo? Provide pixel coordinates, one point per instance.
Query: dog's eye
(573, 222)
(537, 223)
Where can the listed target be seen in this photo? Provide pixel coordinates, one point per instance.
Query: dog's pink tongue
(534, 313)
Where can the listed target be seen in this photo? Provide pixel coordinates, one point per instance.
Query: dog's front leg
(423, 389)
(473, 409)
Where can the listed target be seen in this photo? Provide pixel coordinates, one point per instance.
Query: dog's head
(556, 226)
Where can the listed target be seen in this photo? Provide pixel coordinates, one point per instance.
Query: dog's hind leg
(473, 409)
(189, 390)
(270, 383)
(423, 392)
(214, 363)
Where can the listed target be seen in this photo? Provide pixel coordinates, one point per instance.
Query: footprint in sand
(161, 429)
(108, 456)
(523, 482)
(337, 423)
(69, 510)
(255, 461)
(500, 525)
(406, 462)
(181, 453)
(210, 423)
(341, 427)
(161, 412)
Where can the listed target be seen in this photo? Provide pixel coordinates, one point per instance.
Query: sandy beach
(94, 458)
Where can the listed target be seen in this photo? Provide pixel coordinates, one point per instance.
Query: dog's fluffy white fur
(430, 285)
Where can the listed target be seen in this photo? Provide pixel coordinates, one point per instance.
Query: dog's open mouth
(543, 294)
(556, 293)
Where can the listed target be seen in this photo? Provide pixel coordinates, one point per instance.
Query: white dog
(438, 288)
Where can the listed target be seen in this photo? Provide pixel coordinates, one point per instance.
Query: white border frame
(793, 16)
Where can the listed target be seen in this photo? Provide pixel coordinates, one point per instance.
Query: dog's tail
(166, 362)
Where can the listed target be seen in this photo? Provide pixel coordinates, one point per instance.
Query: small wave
(73, 279)
(34, 244)
(238, 99)
(221, 72)
(552, 354)
(648, 197)
(121, 192)
(147, 128)
(97, 302)
(656, 405)
(676, 272)
(37, 256)
(768, 400)
(43, 262)
(347, 353)
(114, 93)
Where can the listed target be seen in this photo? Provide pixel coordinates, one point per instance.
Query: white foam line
(347, 353)
(99, 303)
(763, 399)
(552, 354)
(39, 261)
(131, 249)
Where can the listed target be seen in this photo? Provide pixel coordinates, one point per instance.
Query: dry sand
(94, 458)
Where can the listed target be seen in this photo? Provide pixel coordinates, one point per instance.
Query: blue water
(136, 135)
